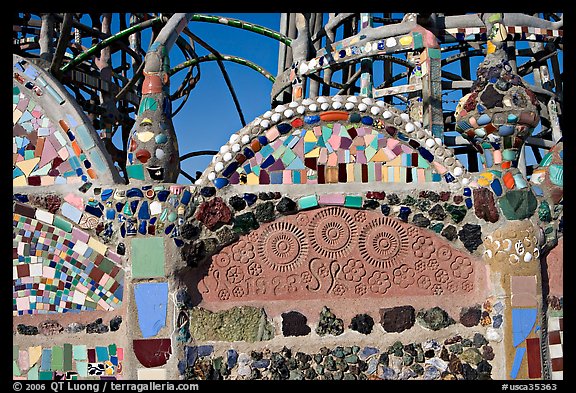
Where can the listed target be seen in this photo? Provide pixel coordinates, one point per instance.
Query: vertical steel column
(366, 84)
(433, 118)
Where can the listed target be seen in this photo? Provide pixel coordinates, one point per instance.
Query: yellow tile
(315, 153)
(34, 354)
(27, 166)
(310, 137)
(406, 40)
(396, 161)
(350, 173)
(252, 179)
(16, 116)
(98, 246)
(19, 181)
(385, 173)
(379, 156)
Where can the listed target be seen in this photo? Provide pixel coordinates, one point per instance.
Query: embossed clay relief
(338, 252)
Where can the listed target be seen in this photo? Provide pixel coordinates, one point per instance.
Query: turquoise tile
(80, 352)
(308, 201)
(100, 167)
(135, 171)
(83, 137)
(102, 354)
(353, 201)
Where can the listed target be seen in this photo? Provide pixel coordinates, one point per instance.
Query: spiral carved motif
(332, 232)
(383, 242)
(335, 252)
(283, 246)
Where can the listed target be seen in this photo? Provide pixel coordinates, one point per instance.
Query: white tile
(36, 270)
(80, 247)
(555, 351)
(557, 375)
(553, 324)
(45, 216)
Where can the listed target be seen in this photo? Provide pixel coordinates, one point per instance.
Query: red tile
(561, 324)
(558, 364)
(534, 362)
(554, 338)
(91, 355)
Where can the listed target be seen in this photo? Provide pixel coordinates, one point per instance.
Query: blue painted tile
(517, 362)
(523, 320)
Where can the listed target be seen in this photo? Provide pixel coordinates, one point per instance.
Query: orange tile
(64, 125)
(91, 173)
(506, 165)
(508, 180)
(334, 115)
(76, 148)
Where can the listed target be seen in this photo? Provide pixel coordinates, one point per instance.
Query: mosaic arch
(53, 141)
(342, 253)
(336, 139)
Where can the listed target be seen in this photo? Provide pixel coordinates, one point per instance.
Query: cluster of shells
(310, 106)
(513, 244)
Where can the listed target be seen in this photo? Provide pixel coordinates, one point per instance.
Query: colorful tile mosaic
(332, 153)
(67, 362)
(48, 150)
(58, 269)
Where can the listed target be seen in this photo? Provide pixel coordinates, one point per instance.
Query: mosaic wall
(48, 149)
(58, 268)
(67, 362)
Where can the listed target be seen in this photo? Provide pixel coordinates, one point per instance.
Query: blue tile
(517, 362)
(151, 304)
(523, 320)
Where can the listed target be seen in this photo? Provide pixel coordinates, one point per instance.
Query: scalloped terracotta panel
(336, 252)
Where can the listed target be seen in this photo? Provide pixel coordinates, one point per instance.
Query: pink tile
(523, 284)
(331, 199)
(113, 256)
(80, 235)
(378, 171)
(523, 300)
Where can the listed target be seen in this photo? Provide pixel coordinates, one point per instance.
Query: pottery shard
(397, 319)
(214, 213)
(484, 205)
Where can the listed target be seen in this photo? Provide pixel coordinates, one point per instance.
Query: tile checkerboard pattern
(555, 346)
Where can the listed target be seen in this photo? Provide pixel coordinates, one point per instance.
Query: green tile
(15, 368)
(33, 373)
(106, 265)
(148, 257)
(61, 223)
(434, 53)
(135, 171)
(112, 349)
(45, 375)
(57, 358)
(308, 201)
(15, 350)
(353, 201)
(67, 357)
